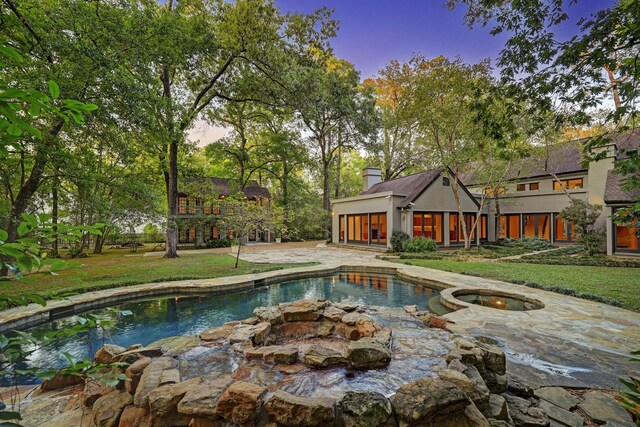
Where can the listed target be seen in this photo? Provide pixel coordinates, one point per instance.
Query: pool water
(146, 321)
(499, 302)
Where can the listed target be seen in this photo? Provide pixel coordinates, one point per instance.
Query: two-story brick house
(533, 196)
(197, 216)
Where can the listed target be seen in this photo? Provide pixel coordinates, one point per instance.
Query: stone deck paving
(571, 341)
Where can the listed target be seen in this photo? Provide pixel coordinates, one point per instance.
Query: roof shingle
(410, 185)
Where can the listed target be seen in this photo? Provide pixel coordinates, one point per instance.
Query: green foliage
(529, 243)
(219, 243)
(630, 398)
(583, 215)
(398, 240)
(420, 245)
(35, 234)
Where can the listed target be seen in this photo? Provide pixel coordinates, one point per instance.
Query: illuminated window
(626, 238)
(182, 205)
(537, 226)
(341, 227)
(534, 186)
(570, 184)
(521, 187)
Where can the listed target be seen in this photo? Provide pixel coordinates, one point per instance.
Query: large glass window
(341, 227)
(509, 227)
(453, 227)
(378, 229)
(364, 219)
(570, 184)
(358, 228)
(563, 231)
(538, 225)
(417, 224)
(483, 227)
(428, 225)
(351, 227)
(626, 238)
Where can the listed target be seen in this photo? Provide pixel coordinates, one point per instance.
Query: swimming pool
(148, 320)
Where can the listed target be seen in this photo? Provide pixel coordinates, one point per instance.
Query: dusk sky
(372, 32)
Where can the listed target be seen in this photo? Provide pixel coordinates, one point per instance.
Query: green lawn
(114, 269)
(611, 283)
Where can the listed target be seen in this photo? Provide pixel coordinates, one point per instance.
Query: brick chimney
(370, 177)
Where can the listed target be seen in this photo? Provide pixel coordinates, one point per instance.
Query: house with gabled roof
(534, 194)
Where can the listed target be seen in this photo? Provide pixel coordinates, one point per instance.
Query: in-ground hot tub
(456, 299)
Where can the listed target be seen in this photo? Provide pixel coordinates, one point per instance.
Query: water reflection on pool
(142, 322)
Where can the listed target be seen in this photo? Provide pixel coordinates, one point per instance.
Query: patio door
(537, 225)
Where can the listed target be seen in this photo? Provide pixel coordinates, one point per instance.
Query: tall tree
(336, 111)
(67, 59)
(396, 146)
(596, 69)
(201, 50)
(445, 92)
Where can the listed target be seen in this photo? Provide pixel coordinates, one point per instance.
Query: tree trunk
(238, 253)
(171, 182)
(326, 202)
(498, 215)
(462, 222)
(54, 213)
(338, 165)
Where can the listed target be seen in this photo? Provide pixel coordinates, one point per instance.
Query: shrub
(529, 243)
(398, 238)
(218, 243)
(76, 252)
(594, 241)
(420, 244)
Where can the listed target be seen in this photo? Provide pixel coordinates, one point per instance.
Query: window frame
(531, 184)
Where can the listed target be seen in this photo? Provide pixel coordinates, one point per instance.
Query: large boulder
(524, 414)
(150, 379)
(241, 402)
(107, 353)
(281, 354)
(163, 403)
(261, 332)
(173, 346)
(497, 408)
(304, 310)
(602, 407)
(334, 314)
(289, 410)
(480, 394)
(322, 357)
(201, 400)
(458, 378)
(134, 372)
(362, 324)
(61, 381)
(108, 408)
(93, 390)
(270, 314)
(216, 334)
(417, 403)
(132, 416)
(365, 409)
(368, 353)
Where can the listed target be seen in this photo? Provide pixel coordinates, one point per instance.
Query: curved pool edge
(35, 314)
(448, 297)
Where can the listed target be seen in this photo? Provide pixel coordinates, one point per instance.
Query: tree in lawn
(583, 216)
(578, 77)
(241, 217)
(203, 52)
(444, 96)
(71, 58)
(396, 147)
(335, 110)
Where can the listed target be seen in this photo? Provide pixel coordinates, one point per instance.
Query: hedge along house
(198, 216)
(421, 204)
